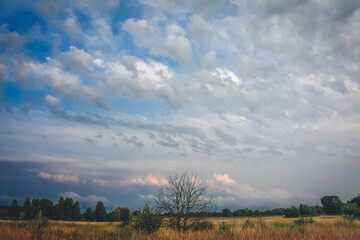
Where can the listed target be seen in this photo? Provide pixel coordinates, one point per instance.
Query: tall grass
(267, 228)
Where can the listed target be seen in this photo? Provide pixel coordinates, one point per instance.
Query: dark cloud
(133, 140)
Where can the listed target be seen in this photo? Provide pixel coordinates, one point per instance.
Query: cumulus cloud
(174, 45)
(224, 179)
(14, 41)
(53, 74)
(149, 180)
(59, 177)
(76, 60)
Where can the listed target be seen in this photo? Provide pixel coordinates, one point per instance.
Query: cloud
(224, 179)
(145, 35)
(149, 180)
(133, 140)
(90, 199)
(14, 41)
(59, 177)
(76, 60)
(52, 73)
(201, 7)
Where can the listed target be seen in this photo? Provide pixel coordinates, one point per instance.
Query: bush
(303, 221)
(224, 227)
(37, 226)
(351, 211)
(148, 220)
(203, 225)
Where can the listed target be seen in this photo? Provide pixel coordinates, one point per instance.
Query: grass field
(278, 227)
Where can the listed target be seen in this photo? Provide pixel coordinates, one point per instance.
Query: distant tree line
(69, 210)
(330, 205)
(65, 209)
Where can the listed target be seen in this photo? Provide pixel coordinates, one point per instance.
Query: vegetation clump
(148, 220)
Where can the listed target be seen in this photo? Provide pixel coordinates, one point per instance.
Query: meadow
(277, 227)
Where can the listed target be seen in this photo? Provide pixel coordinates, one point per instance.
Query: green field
(278, 227)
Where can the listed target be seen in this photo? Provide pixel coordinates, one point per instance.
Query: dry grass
(324, 227)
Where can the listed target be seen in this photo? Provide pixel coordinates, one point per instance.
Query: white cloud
(173, 45)
(59, 177)
(14, 41)
(149, 180)
(52, 74)
(224, 179)
(71, 27)
(76, 60)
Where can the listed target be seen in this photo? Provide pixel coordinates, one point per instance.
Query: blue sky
(102, 100)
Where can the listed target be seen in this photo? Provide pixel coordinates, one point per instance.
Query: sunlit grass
(277, 227)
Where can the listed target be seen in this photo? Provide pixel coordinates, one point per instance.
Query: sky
(103, 100)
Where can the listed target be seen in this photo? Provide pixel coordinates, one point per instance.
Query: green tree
(351, 210)
(331, 204)
(27, 209)
(148, 220)
(125, 215)
(100, 212)
(89, 215)
(292, 212)
(306, 210)
(356, 200)
(47, 207)
(59, 209)
(226, 212)
(117, 213)
(76, 211)
(15, 209)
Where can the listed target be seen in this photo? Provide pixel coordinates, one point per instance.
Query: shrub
(224, 227)
(303, 221)
(148, 220)
(351, 210)
(203, 225)
(37, 226)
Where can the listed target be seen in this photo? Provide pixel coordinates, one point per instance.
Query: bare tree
(184, 200)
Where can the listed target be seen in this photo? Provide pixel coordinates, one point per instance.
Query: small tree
(117, 213)
(184, 200)
(125, 215)
(89, 215)
(100, 212)
(148, 220)
(226, 212)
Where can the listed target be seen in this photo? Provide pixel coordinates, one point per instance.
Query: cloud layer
(259, 97)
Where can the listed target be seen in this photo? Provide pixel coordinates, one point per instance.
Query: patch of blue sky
(38, 50)
(84, 20)
(3, 47)
(20, 95)
(12, 94)
(23, 21)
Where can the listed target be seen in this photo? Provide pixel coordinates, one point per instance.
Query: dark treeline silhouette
(65, 209)
(69, 210)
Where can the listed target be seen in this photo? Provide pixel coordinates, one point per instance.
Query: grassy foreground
(323, 227)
